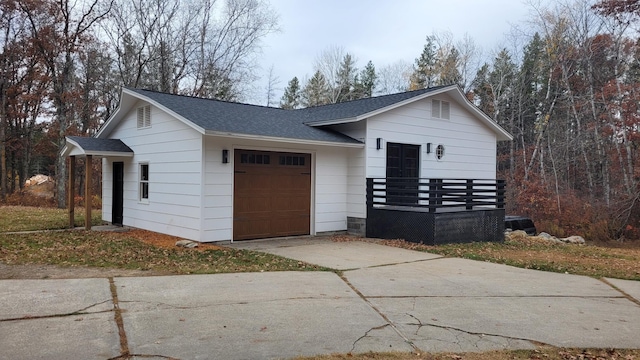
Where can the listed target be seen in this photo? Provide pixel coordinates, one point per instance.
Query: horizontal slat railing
(434, 194)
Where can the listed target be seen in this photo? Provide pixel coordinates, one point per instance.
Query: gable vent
(144, 116)
(440, 109)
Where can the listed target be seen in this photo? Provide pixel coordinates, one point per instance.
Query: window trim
(143, 184)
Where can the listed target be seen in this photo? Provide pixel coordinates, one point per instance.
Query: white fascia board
(502, 134)
(381, 110)
(283, 140)
(109, 153)
(152, 102)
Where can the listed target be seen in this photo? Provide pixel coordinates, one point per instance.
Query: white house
(209, 170)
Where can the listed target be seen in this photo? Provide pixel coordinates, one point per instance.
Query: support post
(87, 192)
(71, 191)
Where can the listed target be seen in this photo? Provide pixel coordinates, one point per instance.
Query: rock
(515, 235)
(575, 239)
(186, 244)
(545, 235)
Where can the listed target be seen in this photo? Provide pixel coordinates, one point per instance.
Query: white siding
(329, 185)
(356, 179)
(470, 146)
(174, 152)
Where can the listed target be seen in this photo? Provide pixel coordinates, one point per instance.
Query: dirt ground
(36, 271)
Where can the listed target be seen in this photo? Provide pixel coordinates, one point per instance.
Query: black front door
(403, 171)
(118, 193)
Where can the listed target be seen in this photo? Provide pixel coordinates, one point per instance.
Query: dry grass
(128, 251)
(544, 352)
(25, 218)
(595, 260)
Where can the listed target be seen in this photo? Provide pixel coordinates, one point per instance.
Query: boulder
(575, 239)
(186, 244)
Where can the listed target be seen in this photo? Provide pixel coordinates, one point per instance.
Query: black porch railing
(436, 195)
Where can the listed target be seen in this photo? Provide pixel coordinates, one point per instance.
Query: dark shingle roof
(236, 118)
(228, 117)
(91, 144)
(356, 108)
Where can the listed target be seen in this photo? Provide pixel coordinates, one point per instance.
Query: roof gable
(81, 146)
(216, 117)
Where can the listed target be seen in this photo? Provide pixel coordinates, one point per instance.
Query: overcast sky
(383, 31)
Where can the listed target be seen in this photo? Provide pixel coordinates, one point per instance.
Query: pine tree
(291, 97)
(315, 91)
(367, 81)
(424, 74)
(346, 79)
(449, 73)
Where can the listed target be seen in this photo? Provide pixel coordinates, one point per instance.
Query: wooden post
(87, 192)
(71, 191)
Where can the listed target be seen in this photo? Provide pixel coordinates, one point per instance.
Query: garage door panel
(271, 198)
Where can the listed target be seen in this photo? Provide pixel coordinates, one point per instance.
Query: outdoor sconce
(428, 148)
(225, 156)
(378, 143)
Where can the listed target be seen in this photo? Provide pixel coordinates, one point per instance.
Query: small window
(260, 159)
(144, 117)
(439, 151)
(144, 182)
(440, 109)
(292, 160)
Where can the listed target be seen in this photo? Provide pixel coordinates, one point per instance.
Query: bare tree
(395, 77)
(272, 83)
(58, 30)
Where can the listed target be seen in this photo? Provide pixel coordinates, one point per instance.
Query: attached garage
(272, 194)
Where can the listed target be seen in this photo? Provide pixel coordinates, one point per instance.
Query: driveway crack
(389, 322)
(124, 344)
(420, 324)
(82, 311)
(353, 347)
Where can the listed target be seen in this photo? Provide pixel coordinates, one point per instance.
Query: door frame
(406, 193)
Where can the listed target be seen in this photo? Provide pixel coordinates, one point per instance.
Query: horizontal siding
(331, 190)
(356, 184)
(173, 151)
(470, 146)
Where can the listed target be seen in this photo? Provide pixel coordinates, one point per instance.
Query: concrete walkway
(386, 299)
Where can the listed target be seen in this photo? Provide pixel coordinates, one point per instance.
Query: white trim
(141, 199)
(72, 148)
(101, 133)
(501, 133)
(283, 140)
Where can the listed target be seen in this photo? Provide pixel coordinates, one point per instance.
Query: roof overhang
(453, 90)
(95, 147)
(285, 140)
(128, 99)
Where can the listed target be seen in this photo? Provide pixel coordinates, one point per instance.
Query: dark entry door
(118, 193)
(403, 170)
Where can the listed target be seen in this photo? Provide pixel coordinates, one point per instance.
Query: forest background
(569, 94)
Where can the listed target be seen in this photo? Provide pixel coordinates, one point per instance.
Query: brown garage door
(272, 194)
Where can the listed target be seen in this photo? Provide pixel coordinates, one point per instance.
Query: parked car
(520, 223)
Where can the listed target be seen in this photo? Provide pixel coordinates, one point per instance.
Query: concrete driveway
(386, 299)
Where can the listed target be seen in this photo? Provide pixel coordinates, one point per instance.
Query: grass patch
(24, 218)
(117, 250)
(528, 253)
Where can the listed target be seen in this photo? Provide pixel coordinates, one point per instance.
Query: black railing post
(469, 194)
(500, 192)
(369, 192)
